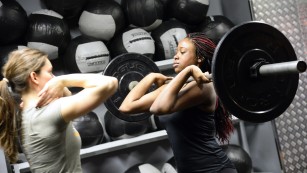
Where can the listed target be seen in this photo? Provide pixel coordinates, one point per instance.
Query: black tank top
(192, 136)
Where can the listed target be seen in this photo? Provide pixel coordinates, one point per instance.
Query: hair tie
(8, 84)
(6, 80)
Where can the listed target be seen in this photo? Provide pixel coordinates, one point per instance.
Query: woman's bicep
(81, 103)
(193, 96)
(142, 104)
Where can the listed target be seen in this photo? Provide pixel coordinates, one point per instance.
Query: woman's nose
(175, 56)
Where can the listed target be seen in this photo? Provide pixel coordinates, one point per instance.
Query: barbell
(255, 73)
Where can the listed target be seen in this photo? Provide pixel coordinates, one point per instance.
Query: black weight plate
(253, 99)
(127, 68)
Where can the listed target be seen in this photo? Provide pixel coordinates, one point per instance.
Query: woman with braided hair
(191, 112)
(48, 139)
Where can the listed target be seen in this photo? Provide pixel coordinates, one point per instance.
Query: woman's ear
(33, 77)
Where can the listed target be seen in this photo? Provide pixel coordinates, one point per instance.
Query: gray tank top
(49, 143)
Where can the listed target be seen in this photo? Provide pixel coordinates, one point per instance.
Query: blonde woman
(48, 139)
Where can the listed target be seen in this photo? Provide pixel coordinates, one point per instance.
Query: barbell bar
(258, 70)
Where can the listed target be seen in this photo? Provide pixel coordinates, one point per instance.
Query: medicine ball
(4, 53)
(166, 38)
(169, 166)
(69, 9)
(142, 168)
(90, 129)
(136, 40)
(85, 55)
(119, 129)
(102, 19)
(191, 12)
(239, 157)
(215, 27)
(6, 50)
(155, 123)
(165, 2)
(13, 22)
(146, 14)
(48, 32)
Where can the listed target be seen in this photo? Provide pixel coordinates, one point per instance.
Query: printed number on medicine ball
(69, 9)
(191, 12)
(136, 40)
(146, 14)
(142, 168)
(90, 129)
(166, 38)
(120, 129)
(48, 32)
(13, 22)
(239, 157)
(102, 19)
(85, 55)
(215, 27)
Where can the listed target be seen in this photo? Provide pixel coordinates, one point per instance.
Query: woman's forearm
(167, 98)
(57, 86)
(136, 101)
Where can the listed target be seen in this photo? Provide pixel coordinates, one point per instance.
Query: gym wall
(290, 17)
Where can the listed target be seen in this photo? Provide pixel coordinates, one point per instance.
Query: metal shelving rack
(107, 147)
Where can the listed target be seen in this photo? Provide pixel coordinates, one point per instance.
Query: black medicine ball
(136, 40)
(86, 55)
(155, 123)
(143, 168)
(191, 12)
(69, 9)
(102, 19)
(146, 14)
(13, 22)
(90, 129)
(215, 27)
(169, 166)
(119, 129)
(48, 32)
(166, 38)
(4, 53)
(239, 157)
(6, 50)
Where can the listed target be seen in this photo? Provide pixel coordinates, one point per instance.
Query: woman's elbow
(159, 110)
(124, 109)
(128, 110)
(113, 85)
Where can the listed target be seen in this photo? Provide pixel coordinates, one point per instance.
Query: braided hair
(205, 48)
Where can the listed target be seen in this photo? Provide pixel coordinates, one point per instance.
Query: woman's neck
(29, 99)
